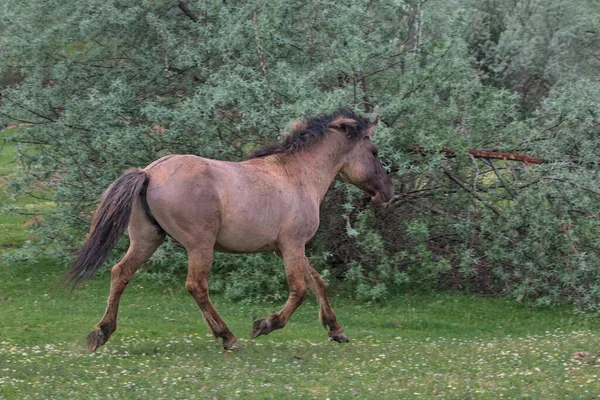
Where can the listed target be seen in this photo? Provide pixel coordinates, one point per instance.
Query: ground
(439, 345)
(442, 345)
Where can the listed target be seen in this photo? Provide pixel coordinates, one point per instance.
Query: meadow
(418, 345)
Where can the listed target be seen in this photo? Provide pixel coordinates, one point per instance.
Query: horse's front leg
(294, 261)
(326, 314)
(200, 263)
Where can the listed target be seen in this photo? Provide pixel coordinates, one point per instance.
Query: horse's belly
(242, 241)
(236, 248)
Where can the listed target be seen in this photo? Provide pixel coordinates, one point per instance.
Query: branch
(259, 48)
(23, 122)
(500, 178)
(184, 7)
(506, 156)
(487, 154)
(363, 85)
(435, 210)
(551, 178)
(472, 193)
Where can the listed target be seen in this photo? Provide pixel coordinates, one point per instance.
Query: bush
(107, 86)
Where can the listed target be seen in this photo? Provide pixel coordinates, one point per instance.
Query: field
(441, 345)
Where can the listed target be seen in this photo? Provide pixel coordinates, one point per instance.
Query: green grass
(443, 345)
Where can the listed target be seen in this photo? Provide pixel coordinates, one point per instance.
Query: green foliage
(249, 277)
(552, 223)
(530, 46)
(106, 86)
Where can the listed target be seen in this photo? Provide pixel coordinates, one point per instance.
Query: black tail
(110, 220)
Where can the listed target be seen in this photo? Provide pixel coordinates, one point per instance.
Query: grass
(441, 345)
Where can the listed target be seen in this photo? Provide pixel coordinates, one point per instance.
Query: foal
(268, 203)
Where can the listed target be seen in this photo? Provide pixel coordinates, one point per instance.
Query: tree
(107, 86)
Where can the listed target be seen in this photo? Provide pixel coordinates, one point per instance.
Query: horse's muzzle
(383, 196)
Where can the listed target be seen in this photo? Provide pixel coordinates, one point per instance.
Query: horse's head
(361, 166)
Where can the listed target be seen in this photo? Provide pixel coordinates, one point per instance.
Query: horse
(269, 202)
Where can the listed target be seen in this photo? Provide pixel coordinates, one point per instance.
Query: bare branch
(259, 48)
(475, 195)
(184, 7)
(500, 178)
(506, 156)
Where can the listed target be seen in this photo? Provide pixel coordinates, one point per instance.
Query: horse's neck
(316, 167)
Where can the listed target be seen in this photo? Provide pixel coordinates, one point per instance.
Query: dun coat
(269, 202)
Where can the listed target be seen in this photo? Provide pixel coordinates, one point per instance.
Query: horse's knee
(317, 284)
(196, 289)
(318, 279)
(298, 294)
(297, 286)
(192, 287)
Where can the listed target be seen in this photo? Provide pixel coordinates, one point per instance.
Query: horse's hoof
(232, 344)
(95, 339)
(339, 337)
(261, 327)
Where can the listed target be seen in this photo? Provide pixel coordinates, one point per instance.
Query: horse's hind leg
(145, 238)
(200, 263)
(326, 314)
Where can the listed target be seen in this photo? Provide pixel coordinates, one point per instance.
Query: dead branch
(486, 154)
(495, 155)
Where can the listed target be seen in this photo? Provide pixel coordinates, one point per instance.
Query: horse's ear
(298, 126)
(372, 127)
(343, 123)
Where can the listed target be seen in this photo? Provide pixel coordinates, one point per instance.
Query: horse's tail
(109, 223)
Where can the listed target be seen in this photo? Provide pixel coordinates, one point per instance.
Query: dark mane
(306, 132)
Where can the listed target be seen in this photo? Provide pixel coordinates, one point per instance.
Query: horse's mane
(305, 133)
